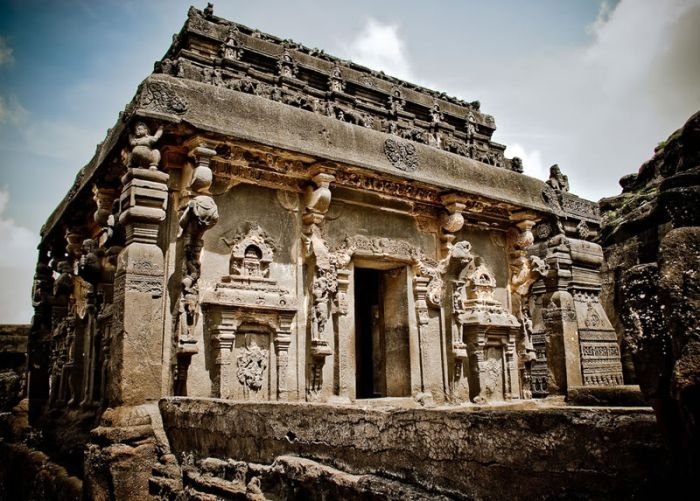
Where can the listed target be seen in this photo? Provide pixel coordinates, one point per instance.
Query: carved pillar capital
(452, 221)
(317, 199)
(74, 241)
(202, 176)
(104, 197)
(143, 202)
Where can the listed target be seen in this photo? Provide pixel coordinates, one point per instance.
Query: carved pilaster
(39, 342)
(420, 291)
(341, 295)
(223, 340)
(138, 284)
(282, 340)
(525, 270)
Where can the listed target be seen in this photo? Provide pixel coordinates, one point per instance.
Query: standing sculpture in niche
(143, 154)
(252, 363)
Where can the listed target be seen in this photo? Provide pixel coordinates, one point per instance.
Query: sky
(591, 85)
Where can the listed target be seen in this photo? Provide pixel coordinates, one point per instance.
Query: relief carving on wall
(401, 154)
(484, 327)
(251, 366)
(249, 295)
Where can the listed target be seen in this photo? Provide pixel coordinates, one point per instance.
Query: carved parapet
(143, 202)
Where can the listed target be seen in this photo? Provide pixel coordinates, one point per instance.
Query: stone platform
(307, 451)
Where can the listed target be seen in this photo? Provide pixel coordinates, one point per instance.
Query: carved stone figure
(252, 363)
(63, 285)
(557, 181)
(231, 49)
(143, 154)
(200, 214)
(89, 266)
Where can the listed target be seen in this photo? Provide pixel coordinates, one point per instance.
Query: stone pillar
(562, 344)
(223, 339)
(345, 346)
(138, 291)
(282, 340)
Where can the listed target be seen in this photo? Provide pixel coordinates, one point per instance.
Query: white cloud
(17, 261)
(6, 56)
(379, 47)
(532, 160)
(11, 111)
(599, 109)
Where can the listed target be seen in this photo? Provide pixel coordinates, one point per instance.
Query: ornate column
(223, 339)
(139, 279)
(524, 271)
(200, 213)
(282, 340)
(316, 203)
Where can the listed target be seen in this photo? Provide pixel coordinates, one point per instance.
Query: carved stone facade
(243, 234)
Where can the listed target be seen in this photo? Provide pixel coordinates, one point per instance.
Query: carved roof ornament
(402, 155)
(470, 125)
(336, 83)
(286, 66)
(157, 96)
(557, 181)
(436, 115)
(516, 165)
(374, 92)
(232, 47)
(396, 101)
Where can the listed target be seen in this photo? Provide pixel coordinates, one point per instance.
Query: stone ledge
(626, 396)
(499, 453)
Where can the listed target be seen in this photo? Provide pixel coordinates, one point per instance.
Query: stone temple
(379, 302)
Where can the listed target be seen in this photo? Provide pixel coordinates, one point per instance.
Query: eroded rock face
(491, 453)
(651, 235)
(13, 360)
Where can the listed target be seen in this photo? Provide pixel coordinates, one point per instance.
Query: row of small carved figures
(473, 147)
(394, 104)
(232, 46)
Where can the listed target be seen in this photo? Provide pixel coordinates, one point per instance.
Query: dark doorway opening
(381, 333)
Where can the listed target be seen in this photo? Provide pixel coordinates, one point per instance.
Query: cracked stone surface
(464, 454)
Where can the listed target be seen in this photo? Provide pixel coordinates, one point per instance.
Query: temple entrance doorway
(382, 364)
